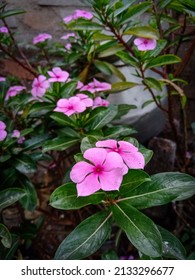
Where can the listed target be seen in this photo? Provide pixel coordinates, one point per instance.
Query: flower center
(98, 169)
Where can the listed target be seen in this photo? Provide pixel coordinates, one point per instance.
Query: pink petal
(89, 185)
(127, 147)
(112, 144)
(80, 170)
(95, 155)
(2, 125)
(113, 161)
(3, 135)
(69, 112)
(134, 160)
(112, 180)
(63, 102)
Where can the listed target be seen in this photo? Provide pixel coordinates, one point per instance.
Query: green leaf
(162, 189)
(163, 60)
(143, 31)
(5, 236)
(60, 144)
(101, 117)
(192, 256)
(35, 142)
(164, 3)
(121, 86)
(88, 142)
(110, 255)
(127, 58)
(146, 153)
(116, 71)
(62, 119)
(86, 238)
(153, 83)
(41, 108)
(109, 69)
(12, 12)
(24, 163)
(123, 109)
(133, 179)
(172, 247)
(67, 131)
(111, 51)
(29, 201)
(140, 230)
(9, 196)
(68, 89)
(84, 24)
(8, 253)
(65, 197)
(118, 131)
(8, 177)
(102, 37)
(135, 11)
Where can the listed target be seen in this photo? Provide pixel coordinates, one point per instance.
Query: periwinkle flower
(145, 44)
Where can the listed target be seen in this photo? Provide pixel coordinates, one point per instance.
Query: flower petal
(89, 185)
(96, 155)
(112, 144)
(80, 170)
(113, 161)
(112, 180)
(134, 160)
(127, 147)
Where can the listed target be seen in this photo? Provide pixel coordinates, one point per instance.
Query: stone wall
(41, 16)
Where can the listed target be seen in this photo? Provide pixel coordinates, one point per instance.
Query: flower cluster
(42, 37)
(3, 29)
(3, 132)
(105, 166)
(13, 91)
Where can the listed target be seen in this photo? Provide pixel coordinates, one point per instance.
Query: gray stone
(164, 155)
(60, 3)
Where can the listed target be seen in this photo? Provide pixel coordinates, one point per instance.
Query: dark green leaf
(68, 89)
(24, 163)
(163, 60)
(62, 119)
(10, 13)
(111, 51)
(121, 86)
(103, 67)
(163, 188)
(29, 201)
(88, 142)
(123, 109)
(110, 255)
(59, 144)
(65, 197)
(10, 196)
(135, 11)
(41, 107)
(140, 230)
(8, 253)
(35, 142)
(146, 153)
(153, 83)
(5, 236)
(83, 24)
(192, 256)
(86, 238)
(172, 247)
(118, 131)
(101, 117)
(8, 178)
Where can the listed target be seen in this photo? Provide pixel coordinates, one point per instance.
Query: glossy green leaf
(102, 37)
(62, 119)
(164, 3)
(41, 107)
(24, 163)
(140, 230)
(122, 9)
(100, 118)
(135, 11)
(123, 109)
(127, 58)
(30, 200)
(35, 142)
(111, 51)
(10, 13)
(153, 83)
(133, 179)
(68, 89)
(86, 238)
(172, 247)
(163, 60)
(163, 188)
(143, 31)
(8, 253)
(68, 131)
(5, 236)
(9, 196)
(8, 177)
(121, 86)
(65, 197)
(103, 67)
(146, 153)
(59, 144)
(88, 142)
(118, 131)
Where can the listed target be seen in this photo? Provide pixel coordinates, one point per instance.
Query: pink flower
(2, 79)
(83, 14)
(86, 99)
(145, 44)
(79, 85)
(129, 153)
(78, 14)
(67, 36)
(3, 132)
(13, 91)
(3, 29)
(105, 171)
(96, 86)
(70, 106)
(68, 46)
(39, 86)
(16, 134)
(58, 75)
(41, 38)
(98, 101)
